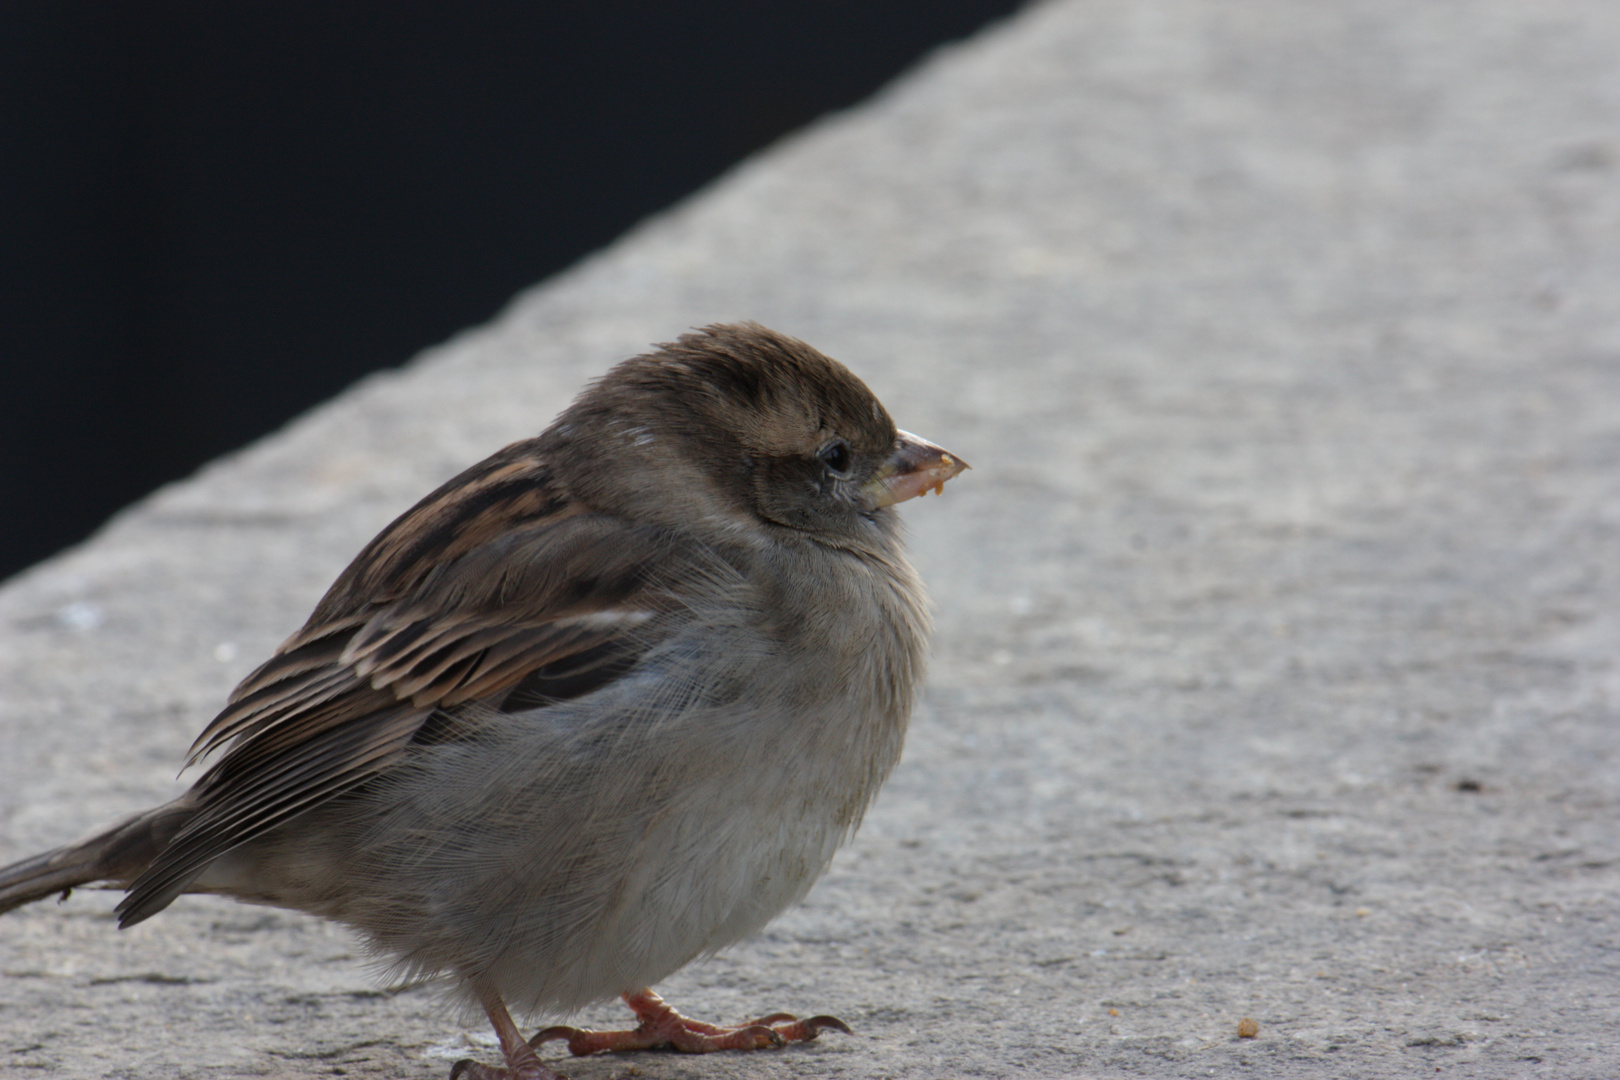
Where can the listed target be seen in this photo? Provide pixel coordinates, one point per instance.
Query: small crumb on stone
(1113, 1012)
(1247, 1028)
(1363, 912)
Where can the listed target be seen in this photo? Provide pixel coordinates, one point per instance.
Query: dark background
(215, 215)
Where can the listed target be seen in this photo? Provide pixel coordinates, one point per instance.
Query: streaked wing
(495, 580)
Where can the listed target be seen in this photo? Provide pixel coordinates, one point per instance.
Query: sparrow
(604, 703)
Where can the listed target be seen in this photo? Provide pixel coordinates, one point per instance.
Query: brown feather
(431, 614)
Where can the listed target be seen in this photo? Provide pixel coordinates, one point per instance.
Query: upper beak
(914, 466)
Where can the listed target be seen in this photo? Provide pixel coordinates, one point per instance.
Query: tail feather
(118, 855)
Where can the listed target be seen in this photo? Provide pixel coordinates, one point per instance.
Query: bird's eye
(836, 456)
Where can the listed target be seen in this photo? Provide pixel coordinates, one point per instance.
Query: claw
(819, 1022)
(774, 1018)
(806, 1030)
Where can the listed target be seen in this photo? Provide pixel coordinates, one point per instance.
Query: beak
(914, 467)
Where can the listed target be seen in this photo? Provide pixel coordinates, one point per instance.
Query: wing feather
(497, 576)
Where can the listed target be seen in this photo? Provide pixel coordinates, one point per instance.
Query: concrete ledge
(1278, 621)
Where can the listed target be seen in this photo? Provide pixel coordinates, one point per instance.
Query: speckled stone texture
(1278, 620)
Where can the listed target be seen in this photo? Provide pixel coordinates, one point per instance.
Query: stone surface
(1278, 620)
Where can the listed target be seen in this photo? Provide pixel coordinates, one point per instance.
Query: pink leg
(662, 1028)
(522, 1063)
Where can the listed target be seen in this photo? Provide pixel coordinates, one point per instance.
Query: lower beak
(914, 467)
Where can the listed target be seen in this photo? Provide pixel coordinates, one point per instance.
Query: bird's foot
(522, 1063)
(662, 1028)
(468, 1069)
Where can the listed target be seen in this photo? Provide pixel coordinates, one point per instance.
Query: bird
(604, 703)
